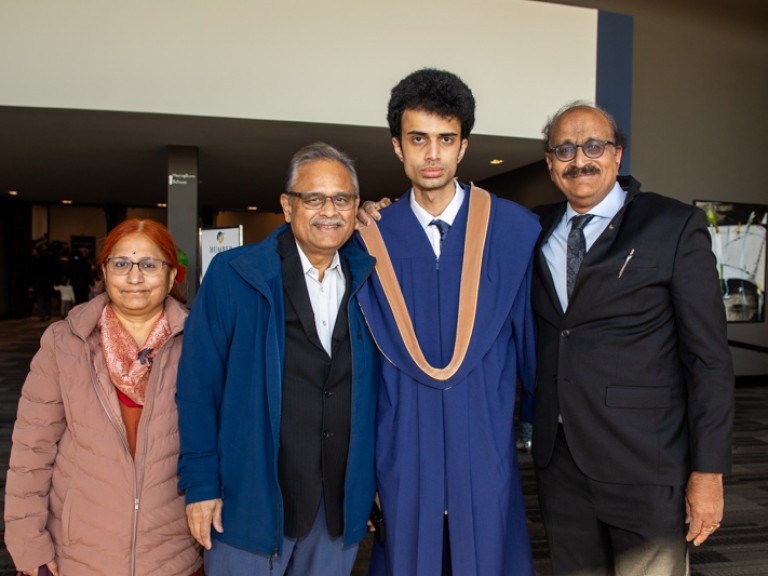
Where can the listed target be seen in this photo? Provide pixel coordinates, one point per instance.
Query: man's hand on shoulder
(704, 505)
(370, 210)
(200, 516)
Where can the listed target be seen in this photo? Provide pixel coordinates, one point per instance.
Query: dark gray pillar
(182, 209)
(614, 74)
(15, 258)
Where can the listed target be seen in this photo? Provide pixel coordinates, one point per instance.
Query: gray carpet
(739, 548)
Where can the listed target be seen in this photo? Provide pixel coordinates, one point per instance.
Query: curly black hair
(435, 91)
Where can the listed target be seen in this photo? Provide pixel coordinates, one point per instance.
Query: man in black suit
(634, 398)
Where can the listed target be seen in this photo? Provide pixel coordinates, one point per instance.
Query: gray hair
(618, 135)
(319, 151)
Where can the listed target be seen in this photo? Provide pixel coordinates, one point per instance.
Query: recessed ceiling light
(497, 161)
(12, 193)
(162, 205)
(253, 208)
(66, 201)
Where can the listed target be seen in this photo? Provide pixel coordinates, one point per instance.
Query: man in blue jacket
(277, 389)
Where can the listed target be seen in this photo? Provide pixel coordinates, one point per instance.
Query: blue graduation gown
(450, 445)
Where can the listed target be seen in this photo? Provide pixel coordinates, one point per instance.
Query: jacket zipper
(278, 503)
(146, 415)
(442, 401)
(350, 306)
(124, 441)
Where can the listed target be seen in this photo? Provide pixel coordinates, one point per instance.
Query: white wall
(328, 62)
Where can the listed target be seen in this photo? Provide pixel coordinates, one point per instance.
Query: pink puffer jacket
(73, 490)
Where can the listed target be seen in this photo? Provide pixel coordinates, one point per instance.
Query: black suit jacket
(639, 366)
(316, 404)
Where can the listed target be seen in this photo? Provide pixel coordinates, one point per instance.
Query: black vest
(316, 406)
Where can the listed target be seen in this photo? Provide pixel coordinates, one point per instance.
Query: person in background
(42, 272)
(81, 273)
(91, 487)
(633, 408)
(277, 389)
(525, 421)
(66, 296)
(96, 286)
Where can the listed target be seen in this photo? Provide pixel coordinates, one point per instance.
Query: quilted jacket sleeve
(40, 423)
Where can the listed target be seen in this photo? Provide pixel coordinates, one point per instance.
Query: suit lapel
(295, 286)
(548, 223)
(341, 326)
(600, 251)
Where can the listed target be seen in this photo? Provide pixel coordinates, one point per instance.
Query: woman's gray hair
(618, 136)
(316, 152)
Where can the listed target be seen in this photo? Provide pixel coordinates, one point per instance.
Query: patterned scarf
(128, 366)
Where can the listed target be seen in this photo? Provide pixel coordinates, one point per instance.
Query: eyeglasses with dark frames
(122, 266)
(316, 200)
(591, 148)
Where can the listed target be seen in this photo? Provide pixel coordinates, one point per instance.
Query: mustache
(323, 221)
(574, 171)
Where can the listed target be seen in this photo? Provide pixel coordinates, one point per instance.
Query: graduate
(449, 307)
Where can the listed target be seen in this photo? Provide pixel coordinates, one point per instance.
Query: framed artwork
(738, 240)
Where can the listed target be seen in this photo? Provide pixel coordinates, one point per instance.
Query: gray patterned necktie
(576, 249)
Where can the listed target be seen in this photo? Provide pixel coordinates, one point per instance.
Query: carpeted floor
(739, 548)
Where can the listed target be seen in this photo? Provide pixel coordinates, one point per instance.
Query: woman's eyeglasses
(122, 266)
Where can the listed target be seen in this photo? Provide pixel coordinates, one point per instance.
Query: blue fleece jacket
(229, 395)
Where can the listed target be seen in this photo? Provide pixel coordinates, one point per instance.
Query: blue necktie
(442, 226)
(576, 249)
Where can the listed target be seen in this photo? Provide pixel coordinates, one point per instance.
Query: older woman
(91, 488)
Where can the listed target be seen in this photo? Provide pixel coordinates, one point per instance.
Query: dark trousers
(602, 529)
(447, 569)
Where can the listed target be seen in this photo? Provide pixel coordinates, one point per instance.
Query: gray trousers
(315, 554)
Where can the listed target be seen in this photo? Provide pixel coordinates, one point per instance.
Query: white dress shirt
(555, 248)
(448, 215)
(324, 296)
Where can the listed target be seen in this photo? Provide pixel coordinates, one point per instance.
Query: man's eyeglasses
(591, 148)
(121, 266)
(316, 200)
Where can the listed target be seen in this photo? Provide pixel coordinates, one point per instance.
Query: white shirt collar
(448, 215)
(608, 206)
(311, 271)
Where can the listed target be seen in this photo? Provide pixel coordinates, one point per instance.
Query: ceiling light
(253, 208)
(66, 201)
(497, 161)
(12, 193)
(162, 205)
